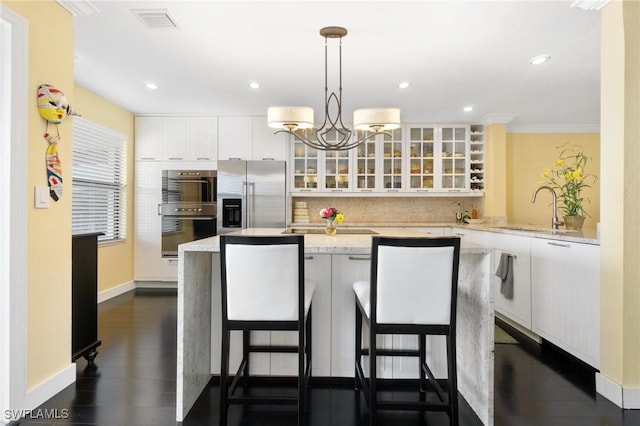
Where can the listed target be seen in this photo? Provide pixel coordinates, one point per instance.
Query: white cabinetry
(176, 138)
(266, 144)
(148, 132)
(346, 269)
(147, 228)
(317, 270)
(565, 280)
(234, 136)
(517, 308)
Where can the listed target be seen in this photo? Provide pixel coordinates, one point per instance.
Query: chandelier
(299, 120)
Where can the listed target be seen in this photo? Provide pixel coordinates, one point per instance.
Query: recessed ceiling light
(539, 59)
(254, 85)
(404, 85)
(151, 86)
(468, 109)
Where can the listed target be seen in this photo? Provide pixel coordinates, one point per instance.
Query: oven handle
(190, 217)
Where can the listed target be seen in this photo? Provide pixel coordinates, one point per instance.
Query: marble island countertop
(322, 244)
(585, 236)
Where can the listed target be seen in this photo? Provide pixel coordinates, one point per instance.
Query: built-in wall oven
(188, 208)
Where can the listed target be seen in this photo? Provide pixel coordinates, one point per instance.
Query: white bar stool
(263, 288)
(413, 290)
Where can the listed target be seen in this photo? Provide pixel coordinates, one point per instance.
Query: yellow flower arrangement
(568, 178)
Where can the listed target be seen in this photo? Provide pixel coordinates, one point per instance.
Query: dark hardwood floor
(135, 379)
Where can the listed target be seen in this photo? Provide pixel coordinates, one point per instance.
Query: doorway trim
(13, 210)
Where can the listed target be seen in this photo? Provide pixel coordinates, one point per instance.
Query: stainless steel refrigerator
(251, 194)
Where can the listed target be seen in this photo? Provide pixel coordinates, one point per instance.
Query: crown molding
(560, 128)
(590, 4)
(498, 119)
(79, 7)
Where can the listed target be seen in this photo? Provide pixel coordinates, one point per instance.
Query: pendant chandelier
(299, 120)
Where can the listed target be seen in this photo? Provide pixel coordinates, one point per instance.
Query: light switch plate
(41, 197)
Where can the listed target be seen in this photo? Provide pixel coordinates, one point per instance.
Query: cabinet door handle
(147, 158)
(366, 190)
(203, 158)
(336, 190)
(304, 190)
(175, 158)
(159, 209)
(559, 244)
(454, 190)
(269, 158)
(235, 158)
(360, 258)
(308, 258)
(172, 260)
(393, 190)
(459, 234)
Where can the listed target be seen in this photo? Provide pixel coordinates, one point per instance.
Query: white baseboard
(624, 397)
(156, 284)
(112, 292)
(47, 389)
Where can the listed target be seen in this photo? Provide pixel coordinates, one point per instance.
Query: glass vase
(331, 227)
(574, 222)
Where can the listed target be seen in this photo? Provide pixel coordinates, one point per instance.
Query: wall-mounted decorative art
(53, 107)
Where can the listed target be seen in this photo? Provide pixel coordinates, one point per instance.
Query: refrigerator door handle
(251, 202)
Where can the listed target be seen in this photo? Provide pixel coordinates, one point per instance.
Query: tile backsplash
(401, 210)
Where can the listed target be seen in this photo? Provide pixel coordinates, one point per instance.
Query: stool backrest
(414, 280)
(262, 278)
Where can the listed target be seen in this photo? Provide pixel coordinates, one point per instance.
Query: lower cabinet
(565, 280)
(317, 269)
(518, 307)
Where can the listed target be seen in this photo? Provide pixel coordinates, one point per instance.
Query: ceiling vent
(155, 18)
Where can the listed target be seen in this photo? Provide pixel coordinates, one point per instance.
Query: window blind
(99, 181)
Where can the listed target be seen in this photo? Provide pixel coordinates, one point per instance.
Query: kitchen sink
(321, 231)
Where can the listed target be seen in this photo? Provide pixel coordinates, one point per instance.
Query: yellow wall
(620, 242)
(48, 230)
(100, 111)
(528, 154)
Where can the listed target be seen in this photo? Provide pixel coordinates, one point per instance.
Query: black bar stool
(412, 291)
(263, 288)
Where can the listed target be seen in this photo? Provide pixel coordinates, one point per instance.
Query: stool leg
(358, 345)
(422, 345)
(224, 374)
(453, 379)
(301, 373)
(373, 390)
(309, 343)
(246, 342)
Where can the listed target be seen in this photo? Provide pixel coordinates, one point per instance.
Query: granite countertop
(356, 244)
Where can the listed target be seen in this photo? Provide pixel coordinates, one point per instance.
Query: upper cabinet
(418, 158)
(235, 138)
(266, 144)
(176, 138)
(250, 138)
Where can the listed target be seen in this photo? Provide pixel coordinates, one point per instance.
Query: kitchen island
(334, 263)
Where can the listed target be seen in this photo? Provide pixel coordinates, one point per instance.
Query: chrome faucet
(554, 219)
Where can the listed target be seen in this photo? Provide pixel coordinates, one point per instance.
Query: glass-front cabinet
(366, 167)
(392, 161)
(455, 157)
(306, 162)
(414, 158)
(336, 167)
(422, 163)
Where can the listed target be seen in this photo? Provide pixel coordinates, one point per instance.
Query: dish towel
(505, 273)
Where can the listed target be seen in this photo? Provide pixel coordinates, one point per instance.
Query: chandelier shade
(376, 119)
(298, 121)
(290, 117)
